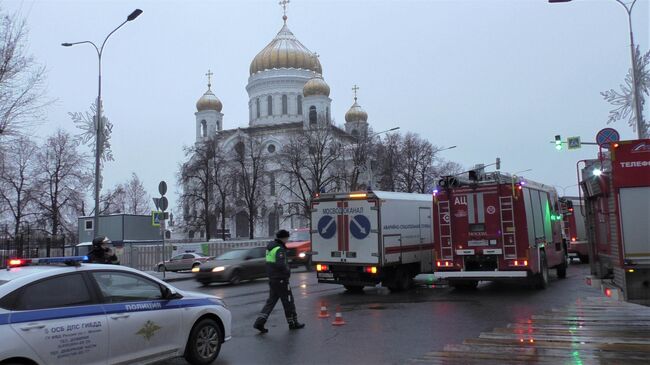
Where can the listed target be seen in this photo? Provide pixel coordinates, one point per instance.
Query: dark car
(233, 267)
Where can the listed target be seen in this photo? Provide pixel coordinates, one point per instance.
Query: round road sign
(606, 136)
(327, 227)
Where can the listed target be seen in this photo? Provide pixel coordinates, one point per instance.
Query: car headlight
(302, 255)
(196, 269)
(219, 268)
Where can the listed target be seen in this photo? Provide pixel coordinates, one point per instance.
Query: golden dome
(285, 51)
(356, 113)
(316, 86)
(209, 102)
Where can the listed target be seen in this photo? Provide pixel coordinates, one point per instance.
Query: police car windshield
(233, 255)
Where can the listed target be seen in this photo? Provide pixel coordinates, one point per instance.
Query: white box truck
(366, 238)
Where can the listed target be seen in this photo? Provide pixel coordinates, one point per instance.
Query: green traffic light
(558, 146)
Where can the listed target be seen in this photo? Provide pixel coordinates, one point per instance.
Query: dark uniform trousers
(280, 289)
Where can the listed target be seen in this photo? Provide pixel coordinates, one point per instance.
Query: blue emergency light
(68, 260)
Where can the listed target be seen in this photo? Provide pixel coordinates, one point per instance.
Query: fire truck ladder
(508, 227)
(444, 222)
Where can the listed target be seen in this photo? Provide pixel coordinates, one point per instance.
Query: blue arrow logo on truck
(360, 227)
(326, 227)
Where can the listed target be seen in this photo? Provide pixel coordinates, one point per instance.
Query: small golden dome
(209, 102)
(285, 51)
(356, 113)
(316, 86)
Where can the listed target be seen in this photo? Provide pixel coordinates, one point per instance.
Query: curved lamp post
(98, 124)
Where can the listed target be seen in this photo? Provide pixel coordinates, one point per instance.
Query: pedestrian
(101, 253)
(279, 272)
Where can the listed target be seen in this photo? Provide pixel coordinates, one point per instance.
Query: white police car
(62, 311)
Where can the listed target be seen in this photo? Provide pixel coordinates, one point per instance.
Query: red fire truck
(575, 233)
(497, 227)
(617, 206)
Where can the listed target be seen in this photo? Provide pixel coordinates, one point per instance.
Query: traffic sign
(326, 227)
(156, 218)
(606, 136)
(164, 203)
(573, 143)
(156, 202)
(162, 188)
(360, 227)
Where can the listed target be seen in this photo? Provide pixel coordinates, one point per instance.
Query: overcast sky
(494, 77)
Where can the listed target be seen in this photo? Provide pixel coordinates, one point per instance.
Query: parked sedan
(184, 261)
(233, 267)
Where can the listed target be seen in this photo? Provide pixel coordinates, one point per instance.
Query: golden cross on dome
(283, 4)
(355, 88)
(209, 75)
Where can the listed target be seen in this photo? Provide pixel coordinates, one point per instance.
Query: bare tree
(21, 79)
(388, 158)
(309, 159)
(62, 179)
(137, 199)
(196, 178)
(223, 176)
(17, 181)
(113, 200)
(250, 163)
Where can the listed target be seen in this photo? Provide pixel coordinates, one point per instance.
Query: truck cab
(299, 248)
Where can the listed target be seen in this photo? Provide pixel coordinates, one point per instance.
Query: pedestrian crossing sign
(573, 143)
(156, 217)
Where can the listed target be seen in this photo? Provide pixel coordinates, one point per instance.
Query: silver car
(184, 261)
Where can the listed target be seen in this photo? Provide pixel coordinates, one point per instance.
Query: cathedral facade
(287, 95)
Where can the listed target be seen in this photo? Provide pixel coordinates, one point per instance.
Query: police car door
(142, 325)
(60, 321)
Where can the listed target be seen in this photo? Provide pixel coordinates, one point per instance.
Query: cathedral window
(257, 107)
(204, 128)
(299, 104)
(355, 133)
(312, 115)
(271, 148)
(272, 184)
(240, 149)
(327, 113)
(269, 105)
(285, 105)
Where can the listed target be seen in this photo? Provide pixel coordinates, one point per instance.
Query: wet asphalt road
(382, 327)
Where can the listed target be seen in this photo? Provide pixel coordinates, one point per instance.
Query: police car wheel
(204, 343)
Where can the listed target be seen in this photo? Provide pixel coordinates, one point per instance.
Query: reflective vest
(271, 254)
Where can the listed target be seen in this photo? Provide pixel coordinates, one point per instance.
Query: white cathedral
(287, 93)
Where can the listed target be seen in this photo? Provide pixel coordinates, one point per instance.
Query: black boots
(259, 325)
(294, 324)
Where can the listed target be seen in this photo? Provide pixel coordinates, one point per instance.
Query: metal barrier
(147, 257)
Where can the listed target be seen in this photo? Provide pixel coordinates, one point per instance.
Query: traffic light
(498, 163)
(558, 142)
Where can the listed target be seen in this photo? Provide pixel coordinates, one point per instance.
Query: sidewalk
(591, 331)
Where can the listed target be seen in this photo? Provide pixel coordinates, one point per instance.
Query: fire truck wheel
(561, 270)
(354, 288)
(541, 279)
(583, 259)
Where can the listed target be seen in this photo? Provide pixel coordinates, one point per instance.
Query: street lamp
(640, 126)
(98, 123)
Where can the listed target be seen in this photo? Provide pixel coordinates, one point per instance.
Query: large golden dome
(316, 86)
(285, 51)
(209, 101)
(356, 113)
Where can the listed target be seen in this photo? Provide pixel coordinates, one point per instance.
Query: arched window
(272, 184)
(269, 105)
(257, 107)
(285, 105)
(204, 128)
(355, 133)
(240, 149)
(327, 113)
(299, 104)
(312, 115)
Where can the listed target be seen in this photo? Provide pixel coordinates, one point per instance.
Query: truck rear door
(345, 231)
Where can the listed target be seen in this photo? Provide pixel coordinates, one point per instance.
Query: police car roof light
(67, 260)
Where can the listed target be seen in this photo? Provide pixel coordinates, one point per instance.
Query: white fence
(147, 257)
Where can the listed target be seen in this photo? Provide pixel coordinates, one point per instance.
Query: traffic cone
(338, 319)
(323, 311)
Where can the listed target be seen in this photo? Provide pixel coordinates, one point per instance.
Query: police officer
(101, 253)
(278, 270)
